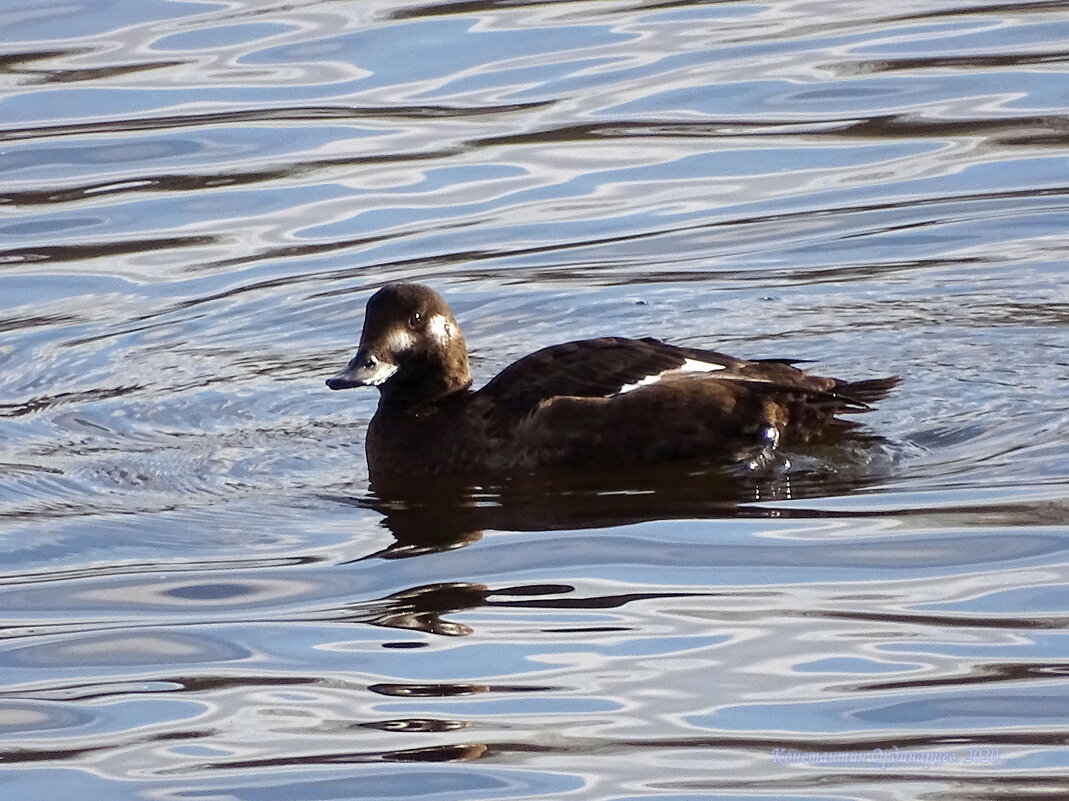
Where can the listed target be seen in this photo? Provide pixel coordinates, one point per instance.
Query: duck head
(411, 348)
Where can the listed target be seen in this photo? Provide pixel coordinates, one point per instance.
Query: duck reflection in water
(432, 516)
(444, 515)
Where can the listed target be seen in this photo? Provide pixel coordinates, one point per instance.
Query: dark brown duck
(608, 402)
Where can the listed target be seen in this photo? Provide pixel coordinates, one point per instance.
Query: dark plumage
(598, 402)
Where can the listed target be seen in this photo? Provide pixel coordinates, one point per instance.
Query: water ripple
(204, 598)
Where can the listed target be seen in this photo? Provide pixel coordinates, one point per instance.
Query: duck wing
(608, 366)
(596, 368)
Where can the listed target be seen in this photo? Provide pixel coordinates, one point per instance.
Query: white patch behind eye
(688, 366)
(440, 328)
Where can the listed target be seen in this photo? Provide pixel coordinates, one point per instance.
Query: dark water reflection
(201, 595)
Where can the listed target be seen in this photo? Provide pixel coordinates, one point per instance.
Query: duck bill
(364, 370)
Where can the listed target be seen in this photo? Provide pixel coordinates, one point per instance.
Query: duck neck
(426, 384)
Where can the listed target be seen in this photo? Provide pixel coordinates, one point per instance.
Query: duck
(605, 403)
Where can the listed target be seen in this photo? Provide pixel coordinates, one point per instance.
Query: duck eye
(414, 320)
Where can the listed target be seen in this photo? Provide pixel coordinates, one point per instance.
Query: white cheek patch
(399, 341)
(688, 366)
(440, 328)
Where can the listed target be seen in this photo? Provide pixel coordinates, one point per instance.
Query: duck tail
(866, 392)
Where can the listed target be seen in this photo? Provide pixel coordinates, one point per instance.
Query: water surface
(201, 598)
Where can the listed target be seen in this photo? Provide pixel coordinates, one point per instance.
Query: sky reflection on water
(202, 596)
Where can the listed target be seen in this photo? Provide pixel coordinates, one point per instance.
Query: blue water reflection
(202, 597)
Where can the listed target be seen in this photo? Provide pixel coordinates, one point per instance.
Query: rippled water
(200, 597)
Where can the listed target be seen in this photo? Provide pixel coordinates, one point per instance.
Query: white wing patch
(688, 366)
